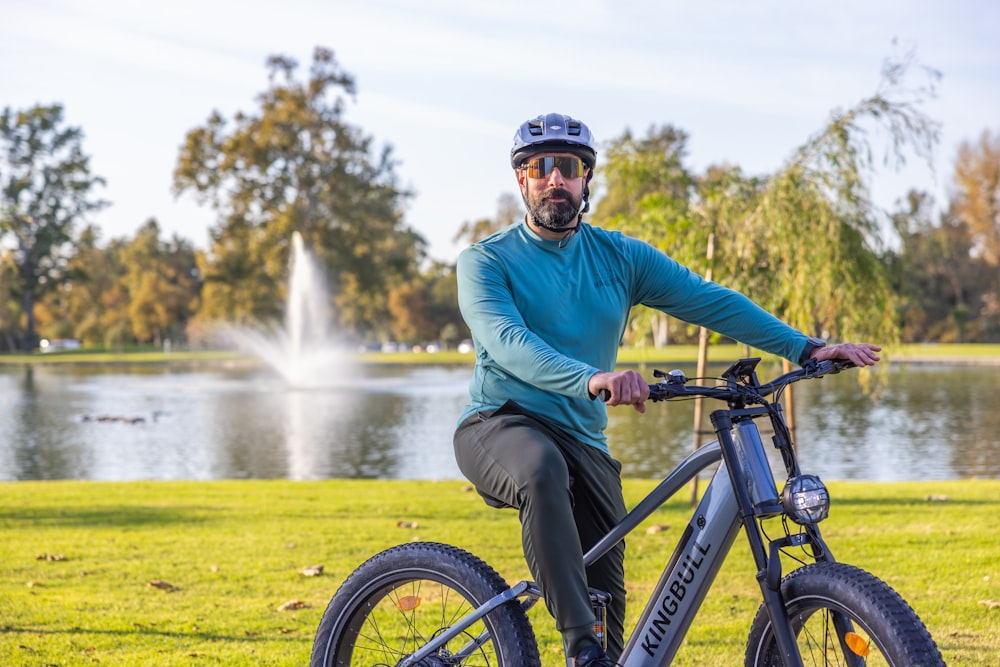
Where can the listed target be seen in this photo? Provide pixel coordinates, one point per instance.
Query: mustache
(558, 192)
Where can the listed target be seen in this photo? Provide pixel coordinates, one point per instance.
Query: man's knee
(548, 481)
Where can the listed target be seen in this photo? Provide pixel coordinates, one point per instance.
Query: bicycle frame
(741, 492)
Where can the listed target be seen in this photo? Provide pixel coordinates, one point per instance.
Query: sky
(445, 83)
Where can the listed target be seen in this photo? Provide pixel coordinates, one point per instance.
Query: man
(547, 301)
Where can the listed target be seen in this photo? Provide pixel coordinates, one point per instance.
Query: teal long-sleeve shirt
(547, 315)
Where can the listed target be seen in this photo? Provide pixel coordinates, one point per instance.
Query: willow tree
(296, 165)
(804, 242)
(813, 235)
(815, 232)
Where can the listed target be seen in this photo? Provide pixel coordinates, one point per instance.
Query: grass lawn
(194, 573)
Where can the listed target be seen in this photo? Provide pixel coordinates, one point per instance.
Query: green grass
(232, 551)
(627, 356)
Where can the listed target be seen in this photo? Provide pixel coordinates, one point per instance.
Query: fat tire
(455, 574)
(874, 608)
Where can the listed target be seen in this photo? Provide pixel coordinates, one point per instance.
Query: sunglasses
(568, 166)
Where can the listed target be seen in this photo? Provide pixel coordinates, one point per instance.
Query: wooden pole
(699, 402)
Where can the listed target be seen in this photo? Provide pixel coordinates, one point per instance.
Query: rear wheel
(842, 615)
(398, 600)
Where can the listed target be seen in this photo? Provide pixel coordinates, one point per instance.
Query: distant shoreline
(973, 354)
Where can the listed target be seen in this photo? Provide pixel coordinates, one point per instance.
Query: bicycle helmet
(560, 133)
(553, 131)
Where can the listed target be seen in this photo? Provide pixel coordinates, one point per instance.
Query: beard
(555, 216)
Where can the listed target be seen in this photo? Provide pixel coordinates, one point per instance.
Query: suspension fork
(744, 476)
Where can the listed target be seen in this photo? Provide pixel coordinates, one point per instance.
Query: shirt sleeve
(666, 285)
(487, 304)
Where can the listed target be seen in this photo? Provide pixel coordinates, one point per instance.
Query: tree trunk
(702, 364)
(30, 339)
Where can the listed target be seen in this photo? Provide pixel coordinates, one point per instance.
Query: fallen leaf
(407, 524)
(311, 571)
(32, 584)
(657, 528)
(935, 498)
(50, 557)
(991, 604)
(292, 605)
(162, 585)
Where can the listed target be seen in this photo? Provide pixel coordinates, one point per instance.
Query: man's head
(554, 157)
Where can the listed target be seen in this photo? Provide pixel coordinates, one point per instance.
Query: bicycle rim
(394, 620)
(830, 635)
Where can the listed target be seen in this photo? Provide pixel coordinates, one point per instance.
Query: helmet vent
(573, 128)
(536, 127)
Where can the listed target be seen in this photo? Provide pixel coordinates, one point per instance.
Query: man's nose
(555, 177)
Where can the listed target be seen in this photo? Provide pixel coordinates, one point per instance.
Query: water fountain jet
(304, 352)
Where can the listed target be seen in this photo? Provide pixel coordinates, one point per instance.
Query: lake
(171, 422)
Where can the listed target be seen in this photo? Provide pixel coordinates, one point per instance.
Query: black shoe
(593, 656)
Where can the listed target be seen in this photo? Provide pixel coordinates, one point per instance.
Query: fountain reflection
(340, 434)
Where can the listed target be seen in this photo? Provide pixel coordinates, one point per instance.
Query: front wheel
(842, 615)
(405, 596)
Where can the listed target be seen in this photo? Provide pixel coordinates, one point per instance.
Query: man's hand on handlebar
(621, 387)
(862, 354)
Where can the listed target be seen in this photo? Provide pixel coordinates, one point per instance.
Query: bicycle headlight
(805, 499)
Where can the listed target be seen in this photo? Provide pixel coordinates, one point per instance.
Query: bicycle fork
(726, 506)
(757, 496)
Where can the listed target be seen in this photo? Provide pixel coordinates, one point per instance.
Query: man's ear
(521, 176)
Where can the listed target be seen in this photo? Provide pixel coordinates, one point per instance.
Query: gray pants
(568, 495)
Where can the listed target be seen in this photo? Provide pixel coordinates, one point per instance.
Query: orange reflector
(857, 644)
(408, 603)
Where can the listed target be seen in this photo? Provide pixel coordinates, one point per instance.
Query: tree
(509, 210)
(815, 233)
(977, 193)
(162, 283)
(426, 309)
(937, 281)
(10, 310)
(73, 309)
(45, 188)
(976, 203)
(296, 165)
(645, 174)
(645, 190)
(411, 316)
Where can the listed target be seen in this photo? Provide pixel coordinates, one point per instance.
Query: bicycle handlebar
(741, 391)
